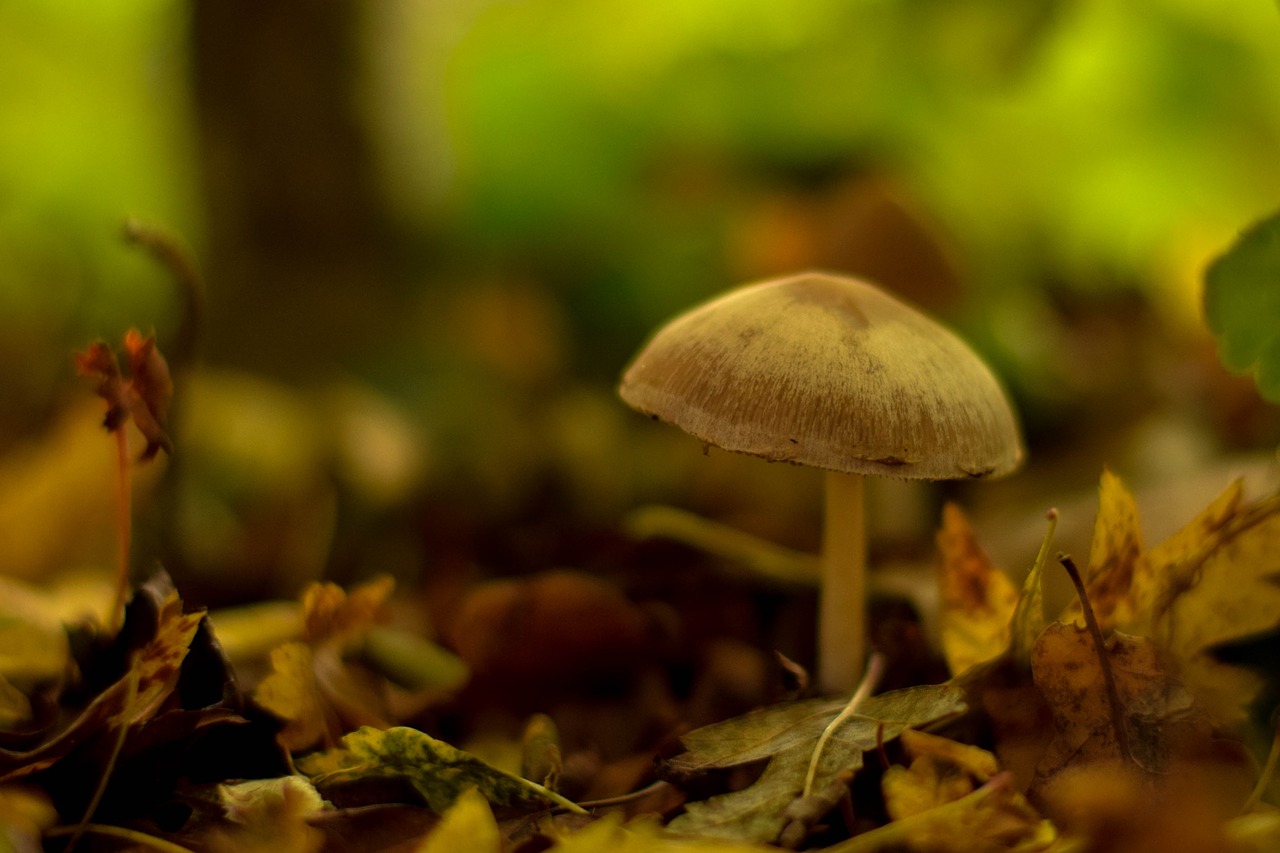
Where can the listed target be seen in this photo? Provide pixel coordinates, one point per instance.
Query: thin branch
(1113, 694)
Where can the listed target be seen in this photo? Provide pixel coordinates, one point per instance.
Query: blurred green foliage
(1242, 305)
(93, 128)
(1078, 141)
(615, 150)
(556, 177)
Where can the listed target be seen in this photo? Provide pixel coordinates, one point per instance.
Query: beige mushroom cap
(825, 370)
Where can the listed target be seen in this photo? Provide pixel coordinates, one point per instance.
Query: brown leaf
(133, 698)
(330, 612)
(1158, 714)
(1215, 581)
(99, 362)
(150, 391)
(978, 599)
(144, 398)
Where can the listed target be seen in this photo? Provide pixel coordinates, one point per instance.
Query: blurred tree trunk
(292, 216)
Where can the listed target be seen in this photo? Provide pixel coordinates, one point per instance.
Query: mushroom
(829, 371)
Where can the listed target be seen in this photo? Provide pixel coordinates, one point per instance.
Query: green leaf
(1242, 305)
(438, 771)
(785, 735)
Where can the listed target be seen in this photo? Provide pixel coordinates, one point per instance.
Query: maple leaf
(785, 735)
(438, 771)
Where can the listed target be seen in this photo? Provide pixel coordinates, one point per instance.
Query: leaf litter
(1038, 718)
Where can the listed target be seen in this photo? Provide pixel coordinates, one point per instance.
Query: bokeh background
(431, 233)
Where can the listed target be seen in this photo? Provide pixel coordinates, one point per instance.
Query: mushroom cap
(828, 371)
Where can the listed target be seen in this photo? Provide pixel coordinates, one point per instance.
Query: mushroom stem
(842, 601)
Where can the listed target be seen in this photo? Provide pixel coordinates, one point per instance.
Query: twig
(140, 838)
(1113, 694)
(124, 528)
(171, 254)
(623, 799)
(875, 668)
(130, 695)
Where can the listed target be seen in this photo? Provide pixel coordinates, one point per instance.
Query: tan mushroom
(829, 371)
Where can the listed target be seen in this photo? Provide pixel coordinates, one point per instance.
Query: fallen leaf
(977, 599)
(609, 835)
(784, 736)
(1118, 570)
(1159, 717)
(1226, 590)
(944, 771)
(467, 826)
(291, 693)
(154, 667)
(994, 818)
(268, 816)
(540, 759)
(973, 760)
(1215, 581)
(1123, 810)
(331, 613)
(437, 771)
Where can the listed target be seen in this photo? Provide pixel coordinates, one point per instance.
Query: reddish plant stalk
(124, 528)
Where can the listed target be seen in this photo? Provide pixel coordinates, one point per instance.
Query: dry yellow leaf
(978, 599)
(935, 807)
(268, 816)
(330, 612)
(466, 827)
(1215, 581)
(1228, 589)
(292, 693)
(609, 835)
(1118, 569)
(975, 761)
